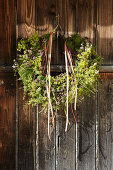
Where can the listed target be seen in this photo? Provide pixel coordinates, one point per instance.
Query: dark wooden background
(24, 144)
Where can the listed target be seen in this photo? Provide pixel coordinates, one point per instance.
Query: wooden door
(24, 144)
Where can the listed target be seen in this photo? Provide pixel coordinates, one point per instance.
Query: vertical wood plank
(86, 134)
(46, 145)
(7, 84)
(67, 12)
(105, 29)
(86, 18)
(27, 116)
(45, 16)
(26, 143)
(25, 18)
(7, 31)
(7, 121)
(65, 142)
(46, 22)
(16, 126)
(106, 123)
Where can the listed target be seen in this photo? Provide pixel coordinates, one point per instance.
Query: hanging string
(45, 56)
(75, 103)
(48, 82)
(67, 87)
(73, 113)
(70, 61)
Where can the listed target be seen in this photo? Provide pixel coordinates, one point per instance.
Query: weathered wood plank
(46, 145)
(105, 30)
(65, 142)
(67, 12)
(7, 121)
(25, 18)
(45, 16)
(7, 31)
(86, 16)
(106, 76)
(106, 123)
(26, 131)
(86, 134)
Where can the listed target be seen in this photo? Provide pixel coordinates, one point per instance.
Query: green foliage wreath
(29, 67)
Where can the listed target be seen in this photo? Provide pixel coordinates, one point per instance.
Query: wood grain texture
(106, 76)
(106, 125)
(7, 31)
(25, 18)
(105, 29)
(7, 121)
(47, 12)
(86, 16)
(67, 11)
(26, 139)
(46, 145)
(45, 16)
(86, 134)
(65, 142)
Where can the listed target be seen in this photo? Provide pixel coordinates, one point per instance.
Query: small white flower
(95, 64)
(87, 49)
(29, 51)
(14, 66)
(97, 72)
(38, 89)
(82, 48)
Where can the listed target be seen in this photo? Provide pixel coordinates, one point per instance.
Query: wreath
(53, 92)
